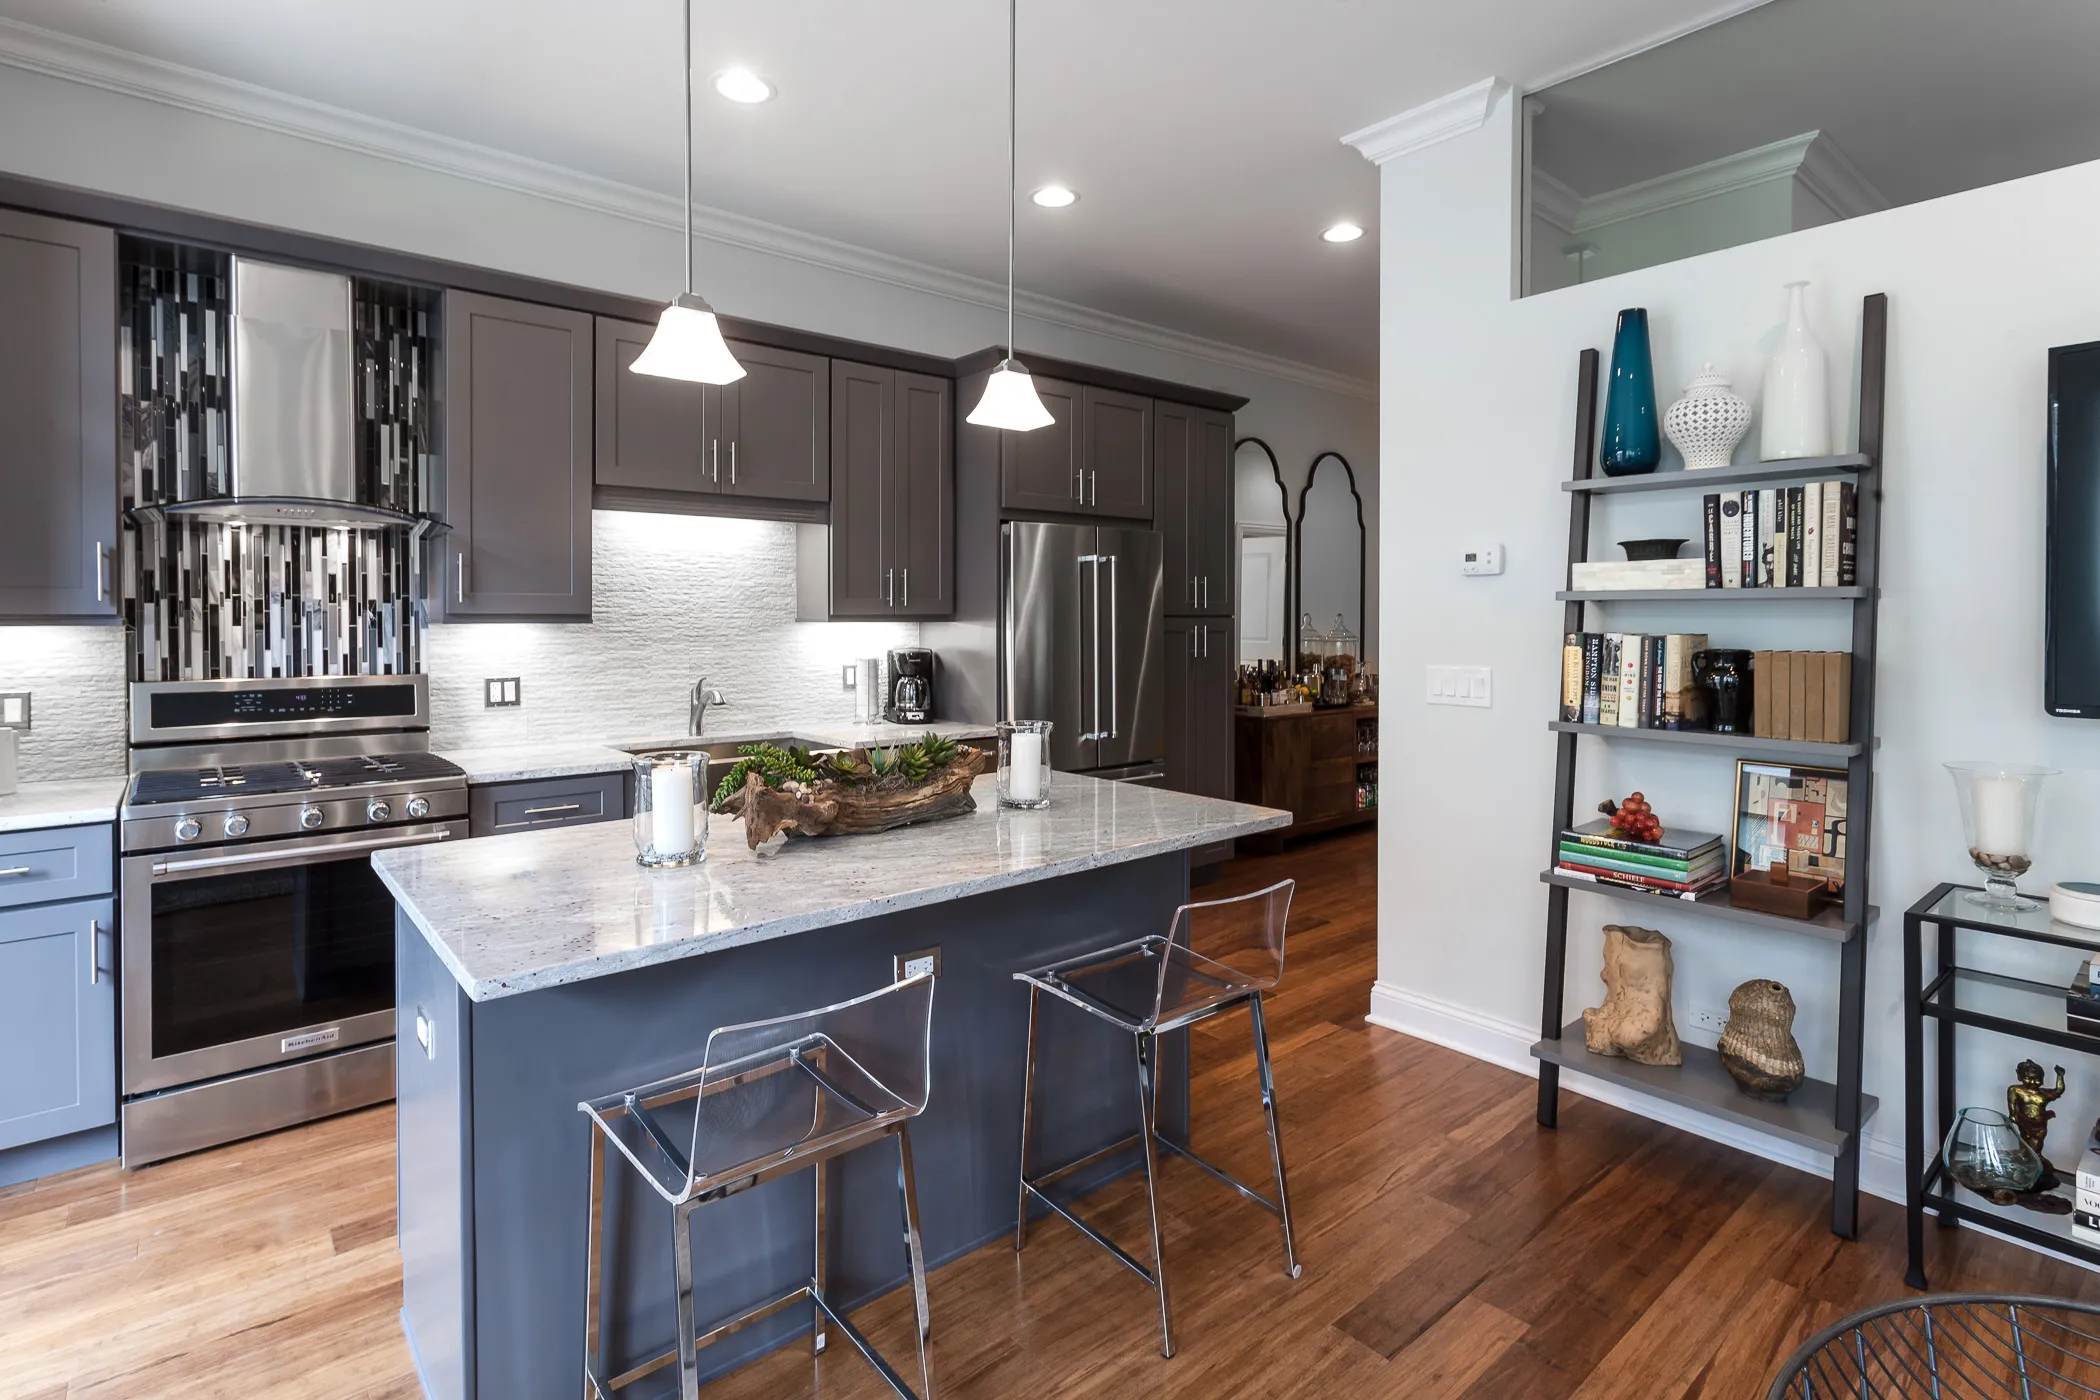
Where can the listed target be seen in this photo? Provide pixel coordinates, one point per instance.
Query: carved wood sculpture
(1635, 1019)
(832, 808)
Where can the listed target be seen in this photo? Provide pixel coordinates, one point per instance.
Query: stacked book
(1683, 864)
(1631, 681)
(1784, 537)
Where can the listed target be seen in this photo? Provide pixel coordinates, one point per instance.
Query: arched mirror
(1262, 507)
(1329, 546)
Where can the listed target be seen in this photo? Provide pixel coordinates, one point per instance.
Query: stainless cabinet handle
(94, 951)
(1206, 590)
(1080, 485)
(16, 870)
(907, 587)
(461, 576)
(1195, 592)
(101, 572)
(545, 811)
(889, 588)
(732, 461)
(1093, 493)
(714, 460)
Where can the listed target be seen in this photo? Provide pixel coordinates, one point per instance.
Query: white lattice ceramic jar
(1707, 423)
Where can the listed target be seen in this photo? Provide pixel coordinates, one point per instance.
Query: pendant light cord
(1013, 8)
(689, 148)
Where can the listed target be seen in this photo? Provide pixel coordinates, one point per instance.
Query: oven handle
(163, 868)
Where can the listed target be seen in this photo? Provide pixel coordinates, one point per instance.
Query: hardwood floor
(1451, 1248)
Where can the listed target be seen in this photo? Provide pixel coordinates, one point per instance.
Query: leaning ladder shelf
(1826, 1117)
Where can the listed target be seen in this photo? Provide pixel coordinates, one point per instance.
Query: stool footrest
(1220, 1173)
(1122, 1145)
(809, 1292)
(866, 1347)
(1090, 1232)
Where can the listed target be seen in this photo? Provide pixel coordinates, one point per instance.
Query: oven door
(241, 957)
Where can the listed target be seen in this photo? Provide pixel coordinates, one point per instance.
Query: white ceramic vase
(1797, 390)
(1707, 423)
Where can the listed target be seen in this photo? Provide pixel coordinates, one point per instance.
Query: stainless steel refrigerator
(1083, 644)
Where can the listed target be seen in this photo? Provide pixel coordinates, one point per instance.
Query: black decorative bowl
(1651, 549)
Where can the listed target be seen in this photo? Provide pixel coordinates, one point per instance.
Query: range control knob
(186, 829)
(236, 824)
(379, 810)
(418, 807)
(311, 817)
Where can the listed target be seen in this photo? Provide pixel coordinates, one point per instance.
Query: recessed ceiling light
(1343, 232)
(743, 85)
(1054, 197)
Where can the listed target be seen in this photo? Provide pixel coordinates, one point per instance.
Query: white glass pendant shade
(1009, 401)
(688, 345)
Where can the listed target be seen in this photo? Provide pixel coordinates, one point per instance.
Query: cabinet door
(865, 487)
(775, 428)
(1183, 661)
(1041, 470)
(651, 431)
(1175, 508)
(1213, 550)
(1118, 453)
(518, 388)
(925, 501)
(58, 1021)
(1210, 711)
(58, 419)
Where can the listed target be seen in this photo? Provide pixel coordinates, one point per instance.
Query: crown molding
(1829, 175)
(1670, 33)
(1811, 159)
(1554, 202)
(1453, 114)
(45, 51)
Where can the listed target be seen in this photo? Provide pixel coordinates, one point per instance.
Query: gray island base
(545, 968)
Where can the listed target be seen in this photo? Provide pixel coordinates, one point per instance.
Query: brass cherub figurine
(2027, 1104)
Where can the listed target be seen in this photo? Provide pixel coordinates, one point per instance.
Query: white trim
(116, 70)
(1508, 1044)
(1554, 202)
(1670, 33)
(1829, 175)
(1453, 114)
(1812, 159)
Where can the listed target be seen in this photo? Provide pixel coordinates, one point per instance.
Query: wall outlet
(14, 710)
(926, 962)
(1461, 685)
(1711, 1019)
(1476, 559)
(502, 693)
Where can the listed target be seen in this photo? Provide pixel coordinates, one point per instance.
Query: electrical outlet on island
(924, 963)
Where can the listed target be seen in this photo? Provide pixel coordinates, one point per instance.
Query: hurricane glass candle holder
(670, 809)
(1985, 1153)
(1997, 816)
(1024, 763)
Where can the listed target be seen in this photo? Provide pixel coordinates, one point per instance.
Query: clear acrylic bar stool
(1216, 957)
(770, 1098)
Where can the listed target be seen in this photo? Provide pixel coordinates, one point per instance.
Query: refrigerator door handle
(1115, 640)
(1092, 561)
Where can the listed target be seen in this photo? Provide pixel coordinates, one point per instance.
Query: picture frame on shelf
(1787, 836)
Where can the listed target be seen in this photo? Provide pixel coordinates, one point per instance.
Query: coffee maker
(908, 694)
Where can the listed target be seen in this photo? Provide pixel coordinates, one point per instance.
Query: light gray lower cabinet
(58, 1020)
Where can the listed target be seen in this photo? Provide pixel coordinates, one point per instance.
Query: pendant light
(688, 342)
(1010, 399)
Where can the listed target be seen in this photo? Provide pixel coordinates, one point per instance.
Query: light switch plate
(502, 692)
(1462, 685)
(14, 710)
(1476, 559)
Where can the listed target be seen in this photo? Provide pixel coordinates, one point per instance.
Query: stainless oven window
(255, 953)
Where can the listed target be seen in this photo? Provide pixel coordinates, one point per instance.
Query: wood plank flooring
(1451, 1248)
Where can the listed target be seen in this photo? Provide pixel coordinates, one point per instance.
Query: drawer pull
(13, 871)
(548, 811)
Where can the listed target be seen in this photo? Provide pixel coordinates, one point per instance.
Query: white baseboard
(1508, 1044)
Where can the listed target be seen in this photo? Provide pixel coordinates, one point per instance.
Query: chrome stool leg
(1027, 1117)
(1268, 1108)
(915, 1256)
(688, 1329)
(819, 1274)
(1148, 1101)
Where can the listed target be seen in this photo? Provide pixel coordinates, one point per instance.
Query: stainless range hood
(294, 439)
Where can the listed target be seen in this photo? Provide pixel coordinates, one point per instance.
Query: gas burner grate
(248, 780)
(365, 769)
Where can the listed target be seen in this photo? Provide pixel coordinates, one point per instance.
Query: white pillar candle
(671, 808)
(2001, 816)
(1024, 779)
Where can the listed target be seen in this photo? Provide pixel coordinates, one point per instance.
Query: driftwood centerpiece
(778, 790)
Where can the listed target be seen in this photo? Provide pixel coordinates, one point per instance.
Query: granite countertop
(74, 802)
(521, 762)
(511, 914)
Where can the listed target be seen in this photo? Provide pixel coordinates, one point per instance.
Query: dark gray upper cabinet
(1043, 469)
(1193, 461)
(1118, 450)
(58, 1020)
(889, 549)
(774, 438)
(652, 432)
(58, 419)
(518, 460)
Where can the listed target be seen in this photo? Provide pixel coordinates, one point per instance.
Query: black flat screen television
(2071, 671)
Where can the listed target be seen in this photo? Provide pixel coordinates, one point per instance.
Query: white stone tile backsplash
(75, 677)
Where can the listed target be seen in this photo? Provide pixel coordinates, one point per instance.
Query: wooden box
(1753, 889)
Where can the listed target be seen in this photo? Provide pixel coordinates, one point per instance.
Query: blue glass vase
(1632, 428)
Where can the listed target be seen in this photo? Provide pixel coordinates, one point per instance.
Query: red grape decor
(1633, 818)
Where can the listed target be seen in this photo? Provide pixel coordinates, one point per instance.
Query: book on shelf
(1683, 700)
(1677, 845)
(1619, 680)
(1592, 671)
(1621, 575)
(1848, 535)
(1629, 863)
(1832, 534)
(1767, 508)
(1629, 681)
(1712, 517)
(1731, 539)
(1608, 684)
(1571, 676)
(1643, 884)
(1783, 537)
(1747, 564)
(1812, 535)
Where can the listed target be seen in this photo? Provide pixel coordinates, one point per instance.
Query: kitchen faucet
(703, 700)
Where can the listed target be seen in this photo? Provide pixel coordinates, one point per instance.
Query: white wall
(58, 130)
(1477, 433)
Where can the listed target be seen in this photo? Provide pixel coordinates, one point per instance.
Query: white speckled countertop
(523, 762)
(75, 802)
(511, 914)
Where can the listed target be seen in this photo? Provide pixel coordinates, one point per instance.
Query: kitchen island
(541, 969)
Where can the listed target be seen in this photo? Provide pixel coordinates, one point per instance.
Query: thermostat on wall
(1480, 559)
(2075, 902)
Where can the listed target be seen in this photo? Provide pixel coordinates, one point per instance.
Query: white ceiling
(1202, 135)
(1925, 97)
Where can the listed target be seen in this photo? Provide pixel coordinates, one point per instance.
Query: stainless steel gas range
(258, 945)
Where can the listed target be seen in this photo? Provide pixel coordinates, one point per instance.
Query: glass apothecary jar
(1024, 763)
(1338, 653)
(670, 809)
